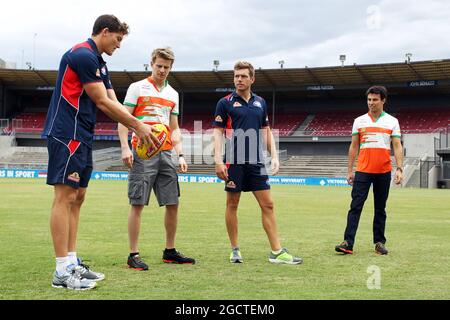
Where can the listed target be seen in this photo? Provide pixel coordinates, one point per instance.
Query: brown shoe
(380, 248)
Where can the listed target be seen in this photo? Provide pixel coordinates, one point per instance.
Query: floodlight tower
(408, 57)
(216, 65)
(342, 57)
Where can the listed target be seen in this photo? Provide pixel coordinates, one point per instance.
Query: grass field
(311, 221)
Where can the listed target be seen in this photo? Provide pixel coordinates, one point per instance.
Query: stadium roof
(278, 79)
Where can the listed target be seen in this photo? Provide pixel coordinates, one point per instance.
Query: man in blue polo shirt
(82, 85)
(242, 117)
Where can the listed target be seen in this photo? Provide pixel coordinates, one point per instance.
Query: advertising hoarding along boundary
(190, 178)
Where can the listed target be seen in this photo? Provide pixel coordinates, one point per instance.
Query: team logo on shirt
(97, 73)
(104, 71)
(257, 104)
(74, 177)
(364, 121)
(237, 104)
(219, 119)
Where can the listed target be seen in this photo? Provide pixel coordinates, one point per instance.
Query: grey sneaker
(72, 280)
(284, 257)
(235, 256)
(88, 274)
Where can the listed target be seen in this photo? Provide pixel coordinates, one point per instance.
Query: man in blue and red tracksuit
(242, 116)
(82, 85)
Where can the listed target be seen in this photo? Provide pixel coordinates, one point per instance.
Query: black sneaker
(380, 248)
(344, 247)
(176, 257)
(135, 262)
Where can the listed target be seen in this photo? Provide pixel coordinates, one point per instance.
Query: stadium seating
(104, 125)
(339, 123)
(105, 128)
(423, 121)
(335, 123)
(26, 158)
(315, 166)
(32, 122)
(286, 124)
(187, 121)
(325, 123)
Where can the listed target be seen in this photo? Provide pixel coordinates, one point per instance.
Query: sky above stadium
(298, 32)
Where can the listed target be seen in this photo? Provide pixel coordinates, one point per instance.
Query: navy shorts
(247, 177)
(69, 162)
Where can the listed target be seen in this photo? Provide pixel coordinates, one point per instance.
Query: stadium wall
(315, 148)
(6, 142)
(418, 145)
(24, 140)
(3, 113)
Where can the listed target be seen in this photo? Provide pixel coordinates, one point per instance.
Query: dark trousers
(361, 185)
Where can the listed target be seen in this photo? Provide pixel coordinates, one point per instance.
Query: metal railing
(440, 143)
(425, 167)
(5, 128)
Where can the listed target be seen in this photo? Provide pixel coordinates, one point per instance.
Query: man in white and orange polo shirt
(372, 134)
(153, 100)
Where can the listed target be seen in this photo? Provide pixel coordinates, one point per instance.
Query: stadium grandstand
(311, 111)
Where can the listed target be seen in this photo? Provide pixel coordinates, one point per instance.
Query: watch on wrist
(181, 155)
(400, 168)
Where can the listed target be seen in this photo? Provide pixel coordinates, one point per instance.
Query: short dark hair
(382, 91)
(111, 22)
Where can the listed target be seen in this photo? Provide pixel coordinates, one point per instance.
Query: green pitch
(311, 221)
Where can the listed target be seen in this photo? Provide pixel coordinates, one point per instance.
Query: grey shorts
(158, 173)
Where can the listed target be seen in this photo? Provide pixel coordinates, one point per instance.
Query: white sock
(72, 256)
(277, 252)
(61, 265)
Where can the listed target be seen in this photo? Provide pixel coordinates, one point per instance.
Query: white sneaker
(72, 280)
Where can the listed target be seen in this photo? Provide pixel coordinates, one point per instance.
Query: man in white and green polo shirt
(153, 100)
